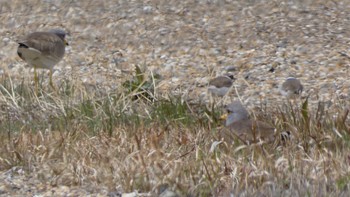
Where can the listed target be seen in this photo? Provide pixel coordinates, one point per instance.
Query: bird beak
(223, 117)
(66, 43)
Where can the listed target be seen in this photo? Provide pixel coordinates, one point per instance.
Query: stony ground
(187, 43)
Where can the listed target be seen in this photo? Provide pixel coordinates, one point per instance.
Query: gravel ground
(187, 43)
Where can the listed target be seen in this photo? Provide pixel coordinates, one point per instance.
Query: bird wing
(28, 53)
(221, 81)
(251, 130)
(45, 42)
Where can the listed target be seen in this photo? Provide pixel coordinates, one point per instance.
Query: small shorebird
(219, 86)
(291, 88)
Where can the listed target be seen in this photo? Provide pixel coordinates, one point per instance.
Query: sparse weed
(141, 87)
(139, 144)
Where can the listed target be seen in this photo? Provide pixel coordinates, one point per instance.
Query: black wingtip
(21, 45)
(232, 77)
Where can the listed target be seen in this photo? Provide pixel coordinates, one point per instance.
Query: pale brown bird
(239, 124)
(43, 50)
(220, 85)
(291, 87)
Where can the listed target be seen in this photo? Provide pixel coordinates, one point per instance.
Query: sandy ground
(189, 43)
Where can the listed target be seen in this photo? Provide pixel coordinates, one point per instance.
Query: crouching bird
(239, 124)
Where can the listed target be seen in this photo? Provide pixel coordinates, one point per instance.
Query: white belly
(35, 58)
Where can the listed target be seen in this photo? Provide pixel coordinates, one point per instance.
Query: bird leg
(36, 79)
(51, 83)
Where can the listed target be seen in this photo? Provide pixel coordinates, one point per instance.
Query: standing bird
(43, 50)
(291, 88)
(239, 124)
(220, 85)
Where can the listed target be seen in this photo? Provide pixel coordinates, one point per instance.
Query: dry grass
(69, 137)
